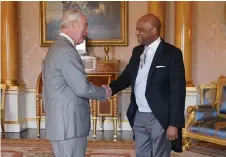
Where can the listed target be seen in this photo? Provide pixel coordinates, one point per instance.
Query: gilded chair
(39, 106)
(207, 122)
(3, 89)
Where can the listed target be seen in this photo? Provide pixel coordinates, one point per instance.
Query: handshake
(108, 90)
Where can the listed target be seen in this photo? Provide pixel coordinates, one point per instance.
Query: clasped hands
(108, 90)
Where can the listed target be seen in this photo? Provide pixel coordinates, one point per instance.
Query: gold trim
(12, 88)
(106, 120)
(207, 139)
(189, 84)
(43, 119)
(3, 97)
(16, 122)
(12, 122)
(111, 120)
(9, 82)
(34, 119)
(111, 42)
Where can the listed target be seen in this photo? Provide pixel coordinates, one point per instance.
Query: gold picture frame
(208, 93)
(225, 12)
(114, 33)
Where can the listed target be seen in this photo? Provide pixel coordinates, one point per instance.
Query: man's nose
(137, 32)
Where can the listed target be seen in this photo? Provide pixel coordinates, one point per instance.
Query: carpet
(42, 148)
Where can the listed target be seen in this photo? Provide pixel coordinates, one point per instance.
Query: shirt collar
(154, 45)
(67, 37)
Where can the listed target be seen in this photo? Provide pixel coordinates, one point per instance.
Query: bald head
(148, 29)
(152, 21)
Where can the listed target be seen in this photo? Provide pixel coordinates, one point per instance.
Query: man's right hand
(108, 90)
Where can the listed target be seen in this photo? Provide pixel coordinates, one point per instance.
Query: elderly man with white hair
(66, 91)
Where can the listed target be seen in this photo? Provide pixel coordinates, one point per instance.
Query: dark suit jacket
(165, 90)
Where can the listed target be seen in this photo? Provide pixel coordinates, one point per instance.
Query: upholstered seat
(215, 128)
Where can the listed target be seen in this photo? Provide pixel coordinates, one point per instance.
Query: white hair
(71, 15)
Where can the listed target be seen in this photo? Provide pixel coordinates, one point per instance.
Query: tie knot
(146, 48)
(143, 56)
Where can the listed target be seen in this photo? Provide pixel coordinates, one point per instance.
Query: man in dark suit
(156, 75)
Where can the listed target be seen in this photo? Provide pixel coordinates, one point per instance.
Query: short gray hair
(71, 15)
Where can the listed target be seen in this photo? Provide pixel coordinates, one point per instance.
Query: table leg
(94, 127)
(115, 127)
(101, 123)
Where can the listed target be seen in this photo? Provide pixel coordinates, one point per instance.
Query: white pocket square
(160, 66)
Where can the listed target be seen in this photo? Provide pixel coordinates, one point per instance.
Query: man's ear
(154, 31)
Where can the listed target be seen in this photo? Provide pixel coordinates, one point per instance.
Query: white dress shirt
(66, 36)
(142, 75)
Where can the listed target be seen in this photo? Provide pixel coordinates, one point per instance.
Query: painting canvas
(107, 20)
(209, 96)
(208, 93)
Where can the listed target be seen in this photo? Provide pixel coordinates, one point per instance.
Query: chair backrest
(39, 85)
(39, 88)
(220, 103)
(3, 89)
(208, 93)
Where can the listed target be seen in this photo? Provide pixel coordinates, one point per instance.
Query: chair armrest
(204, 106)
(200, 113)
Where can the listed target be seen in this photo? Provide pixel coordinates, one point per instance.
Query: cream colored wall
(209, 38)
(209, 41)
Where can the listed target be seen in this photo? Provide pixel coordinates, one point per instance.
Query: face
(145, 33)
(80, 30)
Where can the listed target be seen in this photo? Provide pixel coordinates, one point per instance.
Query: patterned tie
(143, 57)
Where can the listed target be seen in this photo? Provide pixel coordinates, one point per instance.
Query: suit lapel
(137, 64)
(157, 55)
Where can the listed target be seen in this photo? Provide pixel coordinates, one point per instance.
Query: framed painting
(225, 12)
(208, 93)
(221, 96)
(107, 21)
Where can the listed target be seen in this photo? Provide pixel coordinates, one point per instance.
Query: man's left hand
(172, 133)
